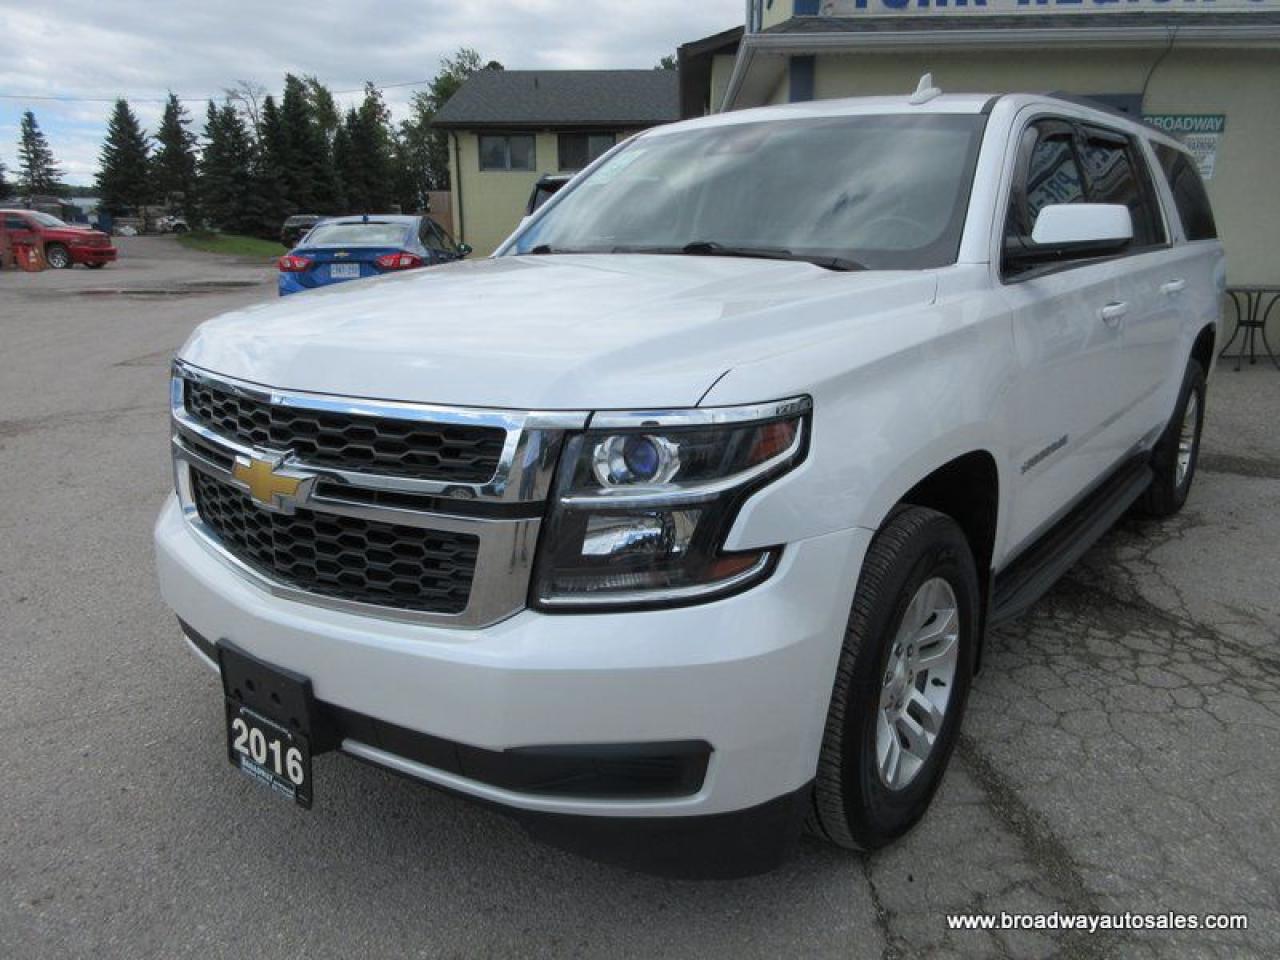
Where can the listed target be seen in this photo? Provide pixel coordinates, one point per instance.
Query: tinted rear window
(1189, 193)
(1115, 177)
(358, 235)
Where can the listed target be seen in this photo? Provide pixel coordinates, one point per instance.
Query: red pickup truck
(63, 244)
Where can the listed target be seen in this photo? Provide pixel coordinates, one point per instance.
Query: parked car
(547, 187)
(63, 244)
(350, 248)
(691, 508)
(296, 227)
(172, 223)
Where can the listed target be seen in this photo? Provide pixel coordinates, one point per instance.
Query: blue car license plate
(344, 271)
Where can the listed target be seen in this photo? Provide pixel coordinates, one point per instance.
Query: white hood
(556, 332)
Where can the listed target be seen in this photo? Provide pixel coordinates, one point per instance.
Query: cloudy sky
(140, 49)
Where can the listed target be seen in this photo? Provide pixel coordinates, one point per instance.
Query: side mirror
(1066, 231)
(465, 250)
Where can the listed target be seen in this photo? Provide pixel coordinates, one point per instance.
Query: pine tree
(174, 168)
(226, 171)
(270, 172)
(5, 189)
(307, 149)
(124, 165)
(368, 176)
(38, 172)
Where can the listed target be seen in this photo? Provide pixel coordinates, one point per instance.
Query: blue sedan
(351, 248)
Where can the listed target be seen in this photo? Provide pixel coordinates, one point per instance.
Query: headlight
(644, 502)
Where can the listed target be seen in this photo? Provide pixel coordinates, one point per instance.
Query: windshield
(45, 219)
(357, 235)
(882, 192)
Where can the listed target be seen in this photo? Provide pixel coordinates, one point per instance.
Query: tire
(854, 805)
(1176, 454)
(179, 229)
(58, 257)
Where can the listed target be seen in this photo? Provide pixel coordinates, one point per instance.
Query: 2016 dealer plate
(269, 753)
(271, 715)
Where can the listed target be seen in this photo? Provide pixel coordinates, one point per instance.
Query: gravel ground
(1121, 752)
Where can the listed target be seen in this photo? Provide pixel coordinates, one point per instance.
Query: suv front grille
(394, 447)
(391, 565)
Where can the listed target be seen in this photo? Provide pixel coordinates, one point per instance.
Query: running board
(1039, 567)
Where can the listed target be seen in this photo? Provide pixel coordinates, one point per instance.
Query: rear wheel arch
(1203, 347)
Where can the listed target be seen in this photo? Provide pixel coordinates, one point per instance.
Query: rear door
(1117, 172)
(1064, 401)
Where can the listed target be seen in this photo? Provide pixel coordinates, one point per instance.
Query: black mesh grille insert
(403, 448)
(388, 564)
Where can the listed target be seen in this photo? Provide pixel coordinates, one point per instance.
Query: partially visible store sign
(925, 8)
(1201, 132)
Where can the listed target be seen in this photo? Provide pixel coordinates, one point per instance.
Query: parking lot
(1121, 751)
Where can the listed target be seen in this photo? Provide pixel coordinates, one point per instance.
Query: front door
(1067, 320)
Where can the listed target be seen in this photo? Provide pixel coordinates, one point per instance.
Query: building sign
(852, 8)
(1201, 132)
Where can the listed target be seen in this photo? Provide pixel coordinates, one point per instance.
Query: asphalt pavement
(1121, 751)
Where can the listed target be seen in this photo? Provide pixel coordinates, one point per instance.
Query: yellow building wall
(1240, 84)
(779, 11)
(493, 201)
(721, 70)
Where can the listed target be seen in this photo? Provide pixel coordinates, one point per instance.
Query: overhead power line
(52, 98)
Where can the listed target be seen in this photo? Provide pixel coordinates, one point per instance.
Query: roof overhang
(762, 57)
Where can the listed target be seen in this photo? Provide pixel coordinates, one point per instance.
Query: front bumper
(750, 675)
(87, 255)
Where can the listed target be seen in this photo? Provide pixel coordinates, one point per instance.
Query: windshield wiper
(710, 248)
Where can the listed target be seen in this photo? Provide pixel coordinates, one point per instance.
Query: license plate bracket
(272, 723)
(344, 271)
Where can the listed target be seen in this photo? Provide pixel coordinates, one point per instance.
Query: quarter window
(507, 152)
(1189, 194)
(579, 150)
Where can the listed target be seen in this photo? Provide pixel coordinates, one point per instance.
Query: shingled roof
(525, 99)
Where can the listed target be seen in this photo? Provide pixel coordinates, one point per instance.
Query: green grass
(230, 243)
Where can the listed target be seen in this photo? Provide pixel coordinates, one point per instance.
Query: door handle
(1113, 313)
(1173, 287)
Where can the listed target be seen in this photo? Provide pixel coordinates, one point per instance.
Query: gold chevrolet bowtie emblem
(270, 488)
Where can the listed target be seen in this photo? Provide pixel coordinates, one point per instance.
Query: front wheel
(56, 256)
(902, 681)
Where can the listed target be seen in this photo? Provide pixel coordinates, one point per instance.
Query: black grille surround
(364, 561)
(452, 453)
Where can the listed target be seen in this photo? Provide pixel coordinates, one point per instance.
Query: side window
(1189, 194)
(1053, 176)
(1048, 173)
(14, 222)
(1117, 175)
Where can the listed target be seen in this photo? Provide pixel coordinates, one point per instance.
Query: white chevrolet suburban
(679, 522)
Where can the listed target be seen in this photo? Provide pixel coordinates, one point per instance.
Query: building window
(578, 150)
(507, 152)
